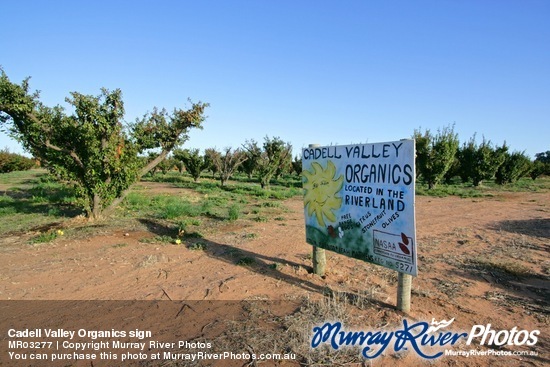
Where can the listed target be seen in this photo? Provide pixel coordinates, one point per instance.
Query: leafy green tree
(274, 158)
(538, 169)
(453, 171)
(210, 166)
(167, 165)
(179, 165)
(178, 155)
(253, 155)
(515, 166)
(541, 165)
(91, 147)
(543, 157)
(479, 162)
(193, 161)
(435, 154)
(297, 165)
(10, 162)
(284, 152)
(225, 163)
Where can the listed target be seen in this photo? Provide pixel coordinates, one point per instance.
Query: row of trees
(441, 158)
(266, 161)
(10, 162)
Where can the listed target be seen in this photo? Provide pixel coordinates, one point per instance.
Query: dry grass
(501, 267)
(284, 327)
(539, 308)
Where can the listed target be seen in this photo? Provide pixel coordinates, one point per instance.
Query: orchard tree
(225, 163)
(280, 151)
(275, 156)
(541, 165)
(210, 166)
(543, 157)
(167, 165)
(192, 160)
(480, 162)
(253, 155)
(453, 171)
(515, 166)
(538, 169)
(179, 164)
(10, 162)
(179, 155)
(297, 165)
(91, 147)
(435, 154)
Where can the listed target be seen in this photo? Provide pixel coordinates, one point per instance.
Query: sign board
(359, 202)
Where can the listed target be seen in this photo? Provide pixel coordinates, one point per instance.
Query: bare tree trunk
(96, 207)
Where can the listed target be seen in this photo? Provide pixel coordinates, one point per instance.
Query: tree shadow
(529, 293)
(160, 229)
(27, 201)
(262, 264)
(529, 227)
(535, 287)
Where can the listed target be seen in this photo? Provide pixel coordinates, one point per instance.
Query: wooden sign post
(319, 261)
(318, 255)
(404, 292)
(359, 201)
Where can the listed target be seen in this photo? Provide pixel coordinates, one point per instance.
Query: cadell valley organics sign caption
(359, 201)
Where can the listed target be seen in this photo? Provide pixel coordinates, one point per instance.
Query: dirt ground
(481, 261)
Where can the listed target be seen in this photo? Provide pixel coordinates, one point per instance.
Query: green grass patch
(234, 212)
(43, 238)
(35, 202)
(488, 188)
(138, 201)
(20, 178)
(453, 190)
(158, 239)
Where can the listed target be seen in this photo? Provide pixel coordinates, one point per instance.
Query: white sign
(359, 201)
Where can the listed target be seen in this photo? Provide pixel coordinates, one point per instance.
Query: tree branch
(72, 153)
(20, 121)
(108, 210)
(159, 158)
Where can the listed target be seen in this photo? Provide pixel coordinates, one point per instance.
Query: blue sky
(326, 72)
